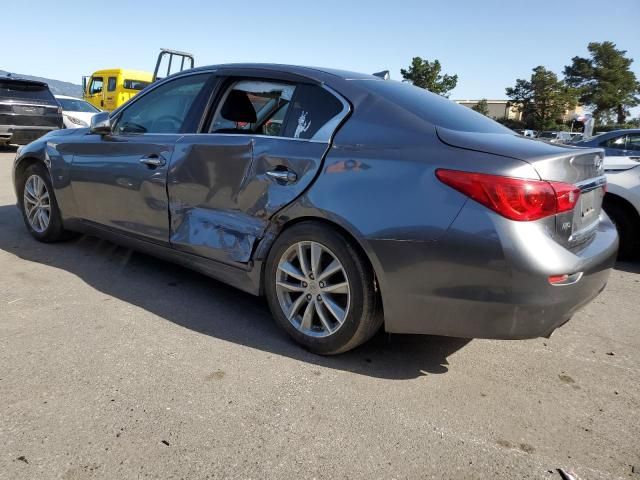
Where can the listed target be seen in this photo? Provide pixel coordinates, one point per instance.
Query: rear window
(135, 84)
(433, 108)
(25, 91)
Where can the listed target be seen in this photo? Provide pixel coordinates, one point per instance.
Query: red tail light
(514, 198)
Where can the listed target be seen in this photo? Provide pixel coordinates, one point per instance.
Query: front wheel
(321, 290)
(39, 207)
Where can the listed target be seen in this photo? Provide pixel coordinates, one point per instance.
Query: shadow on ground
(204, 305)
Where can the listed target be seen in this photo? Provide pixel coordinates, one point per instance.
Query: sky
(487, 43)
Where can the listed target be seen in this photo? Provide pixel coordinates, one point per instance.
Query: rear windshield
(25, 91)
(433, 108)
(135, 84)
(76, 105)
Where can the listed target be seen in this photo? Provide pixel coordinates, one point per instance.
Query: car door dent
(221, 198)
(208, 179)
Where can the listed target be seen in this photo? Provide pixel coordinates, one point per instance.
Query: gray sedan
(349, 201)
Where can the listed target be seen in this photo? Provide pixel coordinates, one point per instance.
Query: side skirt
(241, 276)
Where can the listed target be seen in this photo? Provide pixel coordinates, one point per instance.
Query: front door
(111, 95)
(264, 146)
(93, 95)
(120, 180)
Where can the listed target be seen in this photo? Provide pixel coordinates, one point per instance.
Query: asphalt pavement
(116, 365)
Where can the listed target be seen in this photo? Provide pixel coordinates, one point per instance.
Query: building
(502, 109)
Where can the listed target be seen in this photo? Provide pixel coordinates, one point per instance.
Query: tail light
(514, 198)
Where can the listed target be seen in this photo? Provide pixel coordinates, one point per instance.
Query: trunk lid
(553, 162)
(28, 103)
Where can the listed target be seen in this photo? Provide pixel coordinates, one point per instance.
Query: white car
(76, 112)
(622, 202)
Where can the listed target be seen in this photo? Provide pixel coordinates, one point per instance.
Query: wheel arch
(353, 238)
(20, 167)
(623, 203)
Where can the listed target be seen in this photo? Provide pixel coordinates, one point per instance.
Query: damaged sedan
(351, 202)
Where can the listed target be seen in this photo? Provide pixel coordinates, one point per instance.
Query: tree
(543, 100)
(482, 107)
(425, 74)
(604, 81)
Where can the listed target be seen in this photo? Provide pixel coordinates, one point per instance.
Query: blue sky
(488, 43)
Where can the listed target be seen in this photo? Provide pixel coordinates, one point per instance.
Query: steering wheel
(167, 119)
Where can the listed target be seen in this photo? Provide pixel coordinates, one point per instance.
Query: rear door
(261, 149)
(119, 180)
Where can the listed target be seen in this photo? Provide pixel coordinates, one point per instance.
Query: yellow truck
(109, 88)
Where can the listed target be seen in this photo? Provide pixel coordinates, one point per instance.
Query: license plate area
(586, 214)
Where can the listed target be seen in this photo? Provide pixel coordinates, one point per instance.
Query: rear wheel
(627, 223)
(321, 290)
(39, 207)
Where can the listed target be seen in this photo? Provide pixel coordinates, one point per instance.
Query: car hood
(504, 144)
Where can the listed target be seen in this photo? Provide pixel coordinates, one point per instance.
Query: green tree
(543, 100)
(482, 107)
(425, 74)
(604, 81)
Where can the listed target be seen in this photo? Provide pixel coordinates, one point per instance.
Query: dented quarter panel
(220, 196)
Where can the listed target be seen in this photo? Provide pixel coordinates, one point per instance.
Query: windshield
(76, 105)
(25, 91)
(547, 135)
(433, 108)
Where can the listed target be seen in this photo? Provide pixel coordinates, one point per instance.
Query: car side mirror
(100, 124)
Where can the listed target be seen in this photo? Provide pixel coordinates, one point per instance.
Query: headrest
(238, 108)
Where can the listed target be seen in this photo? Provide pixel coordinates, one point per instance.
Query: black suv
(28, 110)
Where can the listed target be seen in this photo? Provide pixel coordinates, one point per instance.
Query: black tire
(363, 318)
(54, 232)
(627, 222)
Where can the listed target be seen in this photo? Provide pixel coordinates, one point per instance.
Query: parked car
(555, 137)
(622, 202)
(27, 110)
(76, 113)
(348, 200)
(617, 143)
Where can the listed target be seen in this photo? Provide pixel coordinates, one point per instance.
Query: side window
(111, 84)
(96, 85)
(615, 142)
(633, 142)
(163, 110)
(253, 107)
(135, 84)
(313, 107)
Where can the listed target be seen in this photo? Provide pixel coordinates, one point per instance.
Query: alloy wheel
(313, 289)
(37, 203)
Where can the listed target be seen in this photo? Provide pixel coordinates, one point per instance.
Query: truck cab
(110, 88)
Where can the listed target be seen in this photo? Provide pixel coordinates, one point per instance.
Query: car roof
(315, 73)
(24, 80)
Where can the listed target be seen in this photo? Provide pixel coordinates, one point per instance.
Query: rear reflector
(566, 279)
(514, 198)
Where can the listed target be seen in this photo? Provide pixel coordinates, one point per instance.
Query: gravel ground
(116, 365)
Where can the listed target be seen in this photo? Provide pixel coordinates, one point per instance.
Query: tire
(322, 332)
(51, 230)
(627, 223)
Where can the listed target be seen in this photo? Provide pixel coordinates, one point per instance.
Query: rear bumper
(22, 135)
(488, 278)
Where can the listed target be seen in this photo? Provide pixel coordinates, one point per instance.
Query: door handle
(153, 160)
(283, 176)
